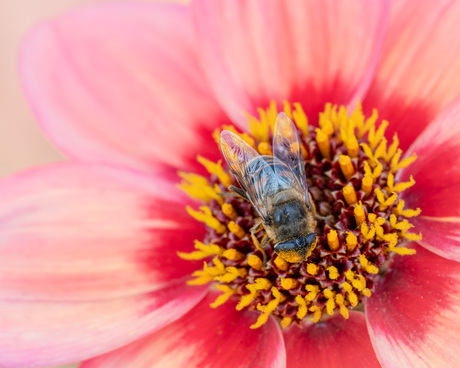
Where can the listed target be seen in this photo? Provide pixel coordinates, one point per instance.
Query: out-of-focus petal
(311, 52)
(204, 337)
(40, 333)
(437, 189)
(335, 343)
(120, 83)
(83, 233)
(414, 312)
(418, 73)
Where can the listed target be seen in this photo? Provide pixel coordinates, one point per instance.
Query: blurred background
(21, 143)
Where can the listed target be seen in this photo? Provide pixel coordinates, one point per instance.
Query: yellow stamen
(216, 169)
(366, 185)
(367, 265)
(312, 269)
(412, 236)
(198, 187)
(236, 229)
(392, 149)
(231, 274)
(288, 283)
(300, 118)
(369, 123)
(323, 143)
(317, 312)
(350, 195)
(351, 241)
(330, 304)
(267, 309)
(346, 166)
(367, 292)
(333, 272)
(333, 240)
(368, 234)
(286, 322)
(281, 264)
(406, 213)
(222, 298)
(229, 211)
(352, 297)
(396, 165)
(255, 262)
(385, 203)
(313, 291)
(302, 310)
(287, 108)
(203, 251)
(359, 213)
(358, 281)
(352, 147)
(233, 255)
(340, 300)
(264, 149)
(208, 273)
(374, 174)
(206, 217)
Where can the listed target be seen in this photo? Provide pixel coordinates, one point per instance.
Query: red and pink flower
(132, 93)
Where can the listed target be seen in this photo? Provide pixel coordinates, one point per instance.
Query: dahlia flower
(133, 253)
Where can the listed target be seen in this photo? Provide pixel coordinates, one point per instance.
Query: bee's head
(297, 249)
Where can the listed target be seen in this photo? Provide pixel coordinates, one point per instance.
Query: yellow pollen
(385, 203)
(233, 255)
(203, 251)
(367, 265)
(397, 165)
(351, 241)
(358, 281)
(229, 211)
(350, 195)
(312, 269)
(231, 274)
(333, 272)
(288, 283)
(221, 299)
(255, 262)
(208, 273)
(346, 166)
(352, 297)
(303, 309)
(375, 173)
(333, 240)
(340, 300)
(300, 118)
(281, 264)
(198, 187)
(323, 143)
(236, 229)
(367, 233)
(216, 169)
(368, 123)
(206, 217)
(359, 213)
(313, 291)
(264, 149)
(267, 309)
(366, 185)
(400, 187)
(367, 292)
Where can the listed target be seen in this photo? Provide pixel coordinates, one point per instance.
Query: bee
(277, 188)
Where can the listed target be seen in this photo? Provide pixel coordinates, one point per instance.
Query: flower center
(360, 220)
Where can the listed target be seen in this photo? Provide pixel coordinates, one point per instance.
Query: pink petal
(414, 312)
(40, 333)
(437, 189)
(311, 52)
(84, 233)
(120, 83)
(335, 343)
(204, 337)
(418, 73)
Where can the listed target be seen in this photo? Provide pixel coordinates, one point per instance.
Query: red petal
(39, 333)
(335, 343)
(79, 232)
(437, 189)
(204, 337)
(120, 83)
(311, 52)
(414, 312)
(418, 73)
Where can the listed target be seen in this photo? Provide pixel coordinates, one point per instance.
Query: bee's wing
(253, 173)
(287, 148)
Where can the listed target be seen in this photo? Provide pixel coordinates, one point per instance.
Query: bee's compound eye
(311, 239)
(301, 241)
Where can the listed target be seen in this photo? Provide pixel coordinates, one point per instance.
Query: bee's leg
(236, 192)
(313, 210)
(257, 227)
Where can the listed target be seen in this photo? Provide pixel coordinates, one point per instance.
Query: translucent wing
(287, 148)
(253, 173)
